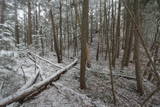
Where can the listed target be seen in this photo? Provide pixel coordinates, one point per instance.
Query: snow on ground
(68, 93)
(10, 80)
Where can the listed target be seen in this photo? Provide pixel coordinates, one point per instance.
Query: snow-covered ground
(66, 92)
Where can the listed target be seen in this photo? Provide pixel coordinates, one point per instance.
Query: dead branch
(24, 77)
(40, 69)
(30, 53)
(125, 76)
(1, 85)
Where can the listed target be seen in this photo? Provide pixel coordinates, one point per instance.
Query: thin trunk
(29, 24)
(60, 26)
(118, 30)
(16, 24)
(55, 38)
(2, 10)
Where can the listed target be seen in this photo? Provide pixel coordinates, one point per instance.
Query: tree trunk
(55, 38)
(137, 51)
(118, 30)
(16, 24)
(2, 9)
(29, 23)
(60, 28)
(84, 38)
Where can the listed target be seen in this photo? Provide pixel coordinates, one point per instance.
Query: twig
(24, 77)
(125, 76)
(1, 86)
(39, 70)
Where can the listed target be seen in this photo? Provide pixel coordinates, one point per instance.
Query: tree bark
(61, 34)
(84, 38)
(2, 10)
(16, 24)
(55, 38)
(29, 23)
(137, 52)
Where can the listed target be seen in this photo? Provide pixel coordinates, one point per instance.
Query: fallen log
(24, 93)
(30, 53)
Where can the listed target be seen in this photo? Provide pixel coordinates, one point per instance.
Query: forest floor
(66, 92)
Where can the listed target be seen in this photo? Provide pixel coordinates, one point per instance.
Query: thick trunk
(84, 38)
(137, 52)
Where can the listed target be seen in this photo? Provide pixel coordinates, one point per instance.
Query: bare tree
(2, 9)
(84, 38)
(29, 24)
(55, 37)
(137, 51)
(16, 24)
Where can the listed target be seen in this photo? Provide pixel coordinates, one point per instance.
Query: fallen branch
(45, 60)
(1, 85)
(125, 76)
(24, 77)
(36, 65)
(40, 71)
(24, 93)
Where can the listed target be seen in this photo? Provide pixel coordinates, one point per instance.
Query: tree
(128, 35)
(55, 37)
(118, 28)
(2, 9)
(84, 38)
(139, 78)
(29, 24)
(60, 28)
(16, 24)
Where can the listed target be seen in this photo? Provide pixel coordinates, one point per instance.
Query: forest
(79, 53)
